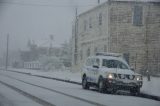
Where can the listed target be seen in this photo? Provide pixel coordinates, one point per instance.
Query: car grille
(124, 76)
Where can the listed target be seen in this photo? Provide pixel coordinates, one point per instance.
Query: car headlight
(110, 76)
(138, 78)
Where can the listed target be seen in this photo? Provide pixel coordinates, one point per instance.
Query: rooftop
(139, 1)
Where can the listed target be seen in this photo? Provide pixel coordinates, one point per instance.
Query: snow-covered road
(149, 87)
(9, 97)
(66, 94)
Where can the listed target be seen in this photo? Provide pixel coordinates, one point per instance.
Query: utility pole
(146, 43)
(51, 45)
(76, 24)
(7, 53)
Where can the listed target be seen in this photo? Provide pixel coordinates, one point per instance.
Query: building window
(105, 48)
(88, 62)
(126, 57)
(137, 15)
(100, 18)
(75, 59)
(90, 22)
(88, 52)
(81, 54)
(95, 50)
(85, 25)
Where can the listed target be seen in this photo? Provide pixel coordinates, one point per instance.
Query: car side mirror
(95, 66)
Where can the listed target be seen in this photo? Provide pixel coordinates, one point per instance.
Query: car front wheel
(135, 91)
(101, 86)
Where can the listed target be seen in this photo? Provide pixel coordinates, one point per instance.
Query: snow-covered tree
(51, 63)
(66, 53)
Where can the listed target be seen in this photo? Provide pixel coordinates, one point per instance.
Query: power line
(46, 5)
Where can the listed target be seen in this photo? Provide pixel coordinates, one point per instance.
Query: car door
(95, 70)
(88, 68)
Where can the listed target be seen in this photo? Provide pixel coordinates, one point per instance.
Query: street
(51, 92)
(9, 97)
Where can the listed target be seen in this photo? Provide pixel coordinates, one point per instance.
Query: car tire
(135, 91)
(111, 91)
(101, 85)
(85, 84)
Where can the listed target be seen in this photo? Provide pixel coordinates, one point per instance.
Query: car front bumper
(122, 84)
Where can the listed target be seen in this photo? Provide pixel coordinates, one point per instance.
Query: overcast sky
(37, 19)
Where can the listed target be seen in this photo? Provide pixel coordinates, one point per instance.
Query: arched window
(88, 52)
(85, 25)
(100, 18)
(81, 55)
(95, 50)
(90, 22)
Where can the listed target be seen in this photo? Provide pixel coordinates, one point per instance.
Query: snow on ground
(149, 87)
(71, 89)
(51, 97)
(66, 75)
(9, 97)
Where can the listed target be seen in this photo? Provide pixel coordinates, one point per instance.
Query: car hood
(120, 71)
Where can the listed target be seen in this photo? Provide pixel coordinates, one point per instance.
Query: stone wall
(153, 37)
(141, 42)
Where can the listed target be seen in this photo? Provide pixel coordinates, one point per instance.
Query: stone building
(131, 27)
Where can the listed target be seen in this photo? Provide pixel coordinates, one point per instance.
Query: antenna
(6, 67)
(98, 1)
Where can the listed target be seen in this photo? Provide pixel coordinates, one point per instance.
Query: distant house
(130, 27)
(41, 57)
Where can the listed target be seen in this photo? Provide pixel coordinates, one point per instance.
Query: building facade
(128, 27)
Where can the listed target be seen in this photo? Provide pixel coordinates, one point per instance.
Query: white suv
(110, 72)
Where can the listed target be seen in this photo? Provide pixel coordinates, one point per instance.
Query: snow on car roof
(109, 57)
(109, 54)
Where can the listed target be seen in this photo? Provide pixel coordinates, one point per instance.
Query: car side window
(92, 61)
(121, 65)
(112, 64)
(109, 63)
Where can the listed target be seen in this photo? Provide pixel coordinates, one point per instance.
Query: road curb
(149, 96)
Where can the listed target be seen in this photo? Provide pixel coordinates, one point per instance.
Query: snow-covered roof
(150, 1)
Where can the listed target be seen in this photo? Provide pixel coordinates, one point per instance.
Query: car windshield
(114, 64)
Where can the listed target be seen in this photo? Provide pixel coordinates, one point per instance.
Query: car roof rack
(109, 54)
